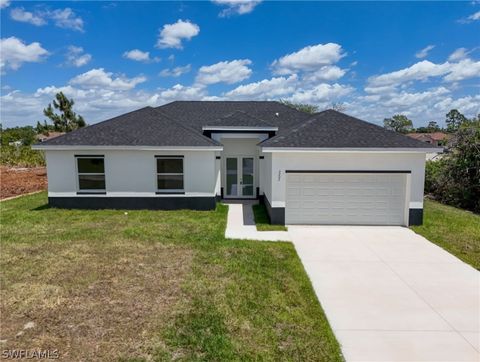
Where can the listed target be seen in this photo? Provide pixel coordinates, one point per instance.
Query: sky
(376, 59)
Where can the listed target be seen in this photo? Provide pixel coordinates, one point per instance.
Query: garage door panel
(370, 199)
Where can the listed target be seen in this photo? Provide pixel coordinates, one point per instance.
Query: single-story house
(434, 138)
(45, 137)
(323, 168)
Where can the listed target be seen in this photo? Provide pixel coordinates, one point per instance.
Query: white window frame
(169, 191)
(90, 191)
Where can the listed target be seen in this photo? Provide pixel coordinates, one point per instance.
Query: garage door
(346, 198)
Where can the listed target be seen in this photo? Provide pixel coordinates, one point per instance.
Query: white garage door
(346, 198)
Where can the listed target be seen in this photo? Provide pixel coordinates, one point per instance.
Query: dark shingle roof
(144, 127)
(332, 129)
(180, 124)
(200, 113)
(238, 119)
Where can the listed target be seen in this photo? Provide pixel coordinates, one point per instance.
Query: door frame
(239, 177)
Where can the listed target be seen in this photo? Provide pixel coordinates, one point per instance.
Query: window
(91, 173)
(169, 173)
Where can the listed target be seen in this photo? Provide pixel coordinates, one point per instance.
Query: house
(45, 137)
(323, 168)
(435, 138)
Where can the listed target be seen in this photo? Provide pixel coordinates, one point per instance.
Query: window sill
(91, 192)
(170, 193)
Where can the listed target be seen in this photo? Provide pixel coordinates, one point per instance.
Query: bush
(455, 180)
(22, 156)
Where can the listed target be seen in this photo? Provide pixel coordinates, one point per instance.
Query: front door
(239, 177)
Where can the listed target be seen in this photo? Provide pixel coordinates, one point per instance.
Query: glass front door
(247, 176)
(240, 177)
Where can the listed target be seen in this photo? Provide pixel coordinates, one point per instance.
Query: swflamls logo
(30, 354)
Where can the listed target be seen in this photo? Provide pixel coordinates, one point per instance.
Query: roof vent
(277, 114)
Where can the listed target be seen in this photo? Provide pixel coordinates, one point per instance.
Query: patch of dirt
(109, 307)
(19, 181)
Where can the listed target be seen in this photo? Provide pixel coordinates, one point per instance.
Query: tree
(303, 107)
(433, 127)
(24, 134)
(44, 128)
(398, 123)
(67, 120)
(338, 106)
(454, 119)
(458, 183)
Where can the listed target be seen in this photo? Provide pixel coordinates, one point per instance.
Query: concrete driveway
(391, 295)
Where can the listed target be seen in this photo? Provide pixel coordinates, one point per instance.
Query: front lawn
(455, 230)
(152, 285)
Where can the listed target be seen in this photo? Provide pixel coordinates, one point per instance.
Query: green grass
(263, 221)
(455, 230)
(153, 285)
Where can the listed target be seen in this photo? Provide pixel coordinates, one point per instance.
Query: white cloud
(140, 56)
(19, 14)
(474, 16)
(171, 35)
(464, 69)
(62, 18)
(181, 92)
(322, 94)
(309, 58)
(422, 53)
(98, 78)
(265, 89)
(175, 72)
(76, 57)
(224, 72)
(425, 69)
(458, 54)
(67, 19)
(326, 73)
(14, 52)
(238, 7)
(4, 3)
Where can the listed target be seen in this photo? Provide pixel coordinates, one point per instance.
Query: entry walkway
(241, 223)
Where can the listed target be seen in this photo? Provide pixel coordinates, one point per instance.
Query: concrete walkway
(391, 295)
(241, 223)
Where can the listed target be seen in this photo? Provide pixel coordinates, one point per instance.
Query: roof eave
(41, 147)
(353, 149)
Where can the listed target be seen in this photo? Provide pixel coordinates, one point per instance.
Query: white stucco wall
(266, 173)
(414, 162)
(132, 172)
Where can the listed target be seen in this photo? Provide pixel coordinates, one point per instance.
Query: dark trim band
(261, 157)
(347, 171)
(134, 203)
(218, 157)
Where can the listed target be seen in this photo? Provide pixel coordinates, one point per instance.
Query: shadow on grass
(42, 207)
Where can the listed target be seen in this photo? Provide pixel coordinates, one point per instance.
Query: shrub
(22, 156)
(455, 180)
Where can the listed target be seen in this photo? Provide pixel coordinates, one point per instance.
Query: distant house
(435, 138)
(49, 136)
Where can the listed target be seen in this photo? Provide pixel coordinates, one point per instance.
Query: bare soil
(19, 181)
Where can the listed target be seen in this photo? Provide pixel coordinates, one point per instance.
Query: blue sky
(377, 59)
